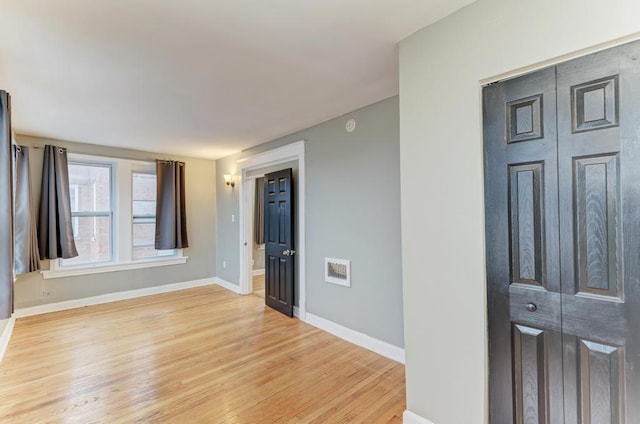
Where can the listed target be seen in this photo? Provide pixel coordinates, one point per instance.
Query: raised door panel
(525, 223)
(595, 380)
(598, 231)
(534, 371)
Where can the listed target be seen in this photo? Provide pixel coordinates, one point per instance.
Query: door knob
(531, 307)
(289, 252)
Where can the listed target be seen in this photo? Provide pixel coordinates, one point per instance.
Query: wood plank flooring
(258, 285)
(203, 355)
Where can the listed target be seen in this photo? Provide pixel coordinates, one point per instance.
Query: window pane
(144, 207)
(144, 194)
(90, 187)
(93, 240)
(144, 236)
(144, 222)
(144, 233)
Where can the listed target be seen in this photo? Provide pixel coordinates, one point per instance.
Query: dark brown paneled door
(562, 205)
(278, 230)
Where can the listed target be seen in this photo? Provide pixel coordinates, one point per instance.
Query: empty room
(419, 212)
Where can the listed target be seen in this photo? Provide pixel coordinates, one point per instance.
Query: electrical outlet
(233, 218)
(47, 293)
(224, 264)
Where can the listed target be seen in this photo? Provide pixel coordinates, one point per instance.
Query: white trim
(246, 228)
(227, 285)
(383, 348)
(110, 297)
(412, 418)
(257, 272)
(6, 336)
(272, 157)
(98, 269)
(560, 59)
(293, 151)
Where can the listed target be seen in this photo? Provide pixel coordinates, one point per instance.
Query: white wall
(441, 173)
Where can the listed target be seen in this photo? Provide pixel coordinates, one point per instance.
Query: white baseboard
(257, 272)
(110, 297)
(227, 285)
(5, 336)
(412, 418)
(383, 348)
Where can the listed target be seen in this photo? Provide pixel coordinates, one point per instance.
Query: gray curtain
(6, 209)
(55, 232)
(258, 214)
(27, 256)
(171, 216)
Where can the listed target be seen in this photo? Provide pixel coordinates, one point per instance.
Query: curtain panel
(258, 215)
(55, 230)
(6, 209)
(27, 255)
(171, 214)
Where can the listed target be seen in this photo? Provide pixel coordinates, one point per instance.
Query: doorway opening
(251, 254)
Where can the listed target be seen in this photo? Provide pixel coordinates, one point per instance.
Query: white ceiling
(202, 78)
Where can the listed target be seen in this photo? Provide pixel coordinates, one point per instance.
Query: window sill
(99, 269)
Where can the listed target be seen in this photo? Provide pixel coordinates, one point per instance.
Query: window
(144, 216)
(92, 212)
(113, 207)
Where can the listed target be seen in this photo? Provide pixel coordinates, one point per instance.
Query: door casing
(291, 152)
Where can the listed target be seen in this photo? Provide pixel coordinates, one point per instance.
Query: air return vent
(337, 271)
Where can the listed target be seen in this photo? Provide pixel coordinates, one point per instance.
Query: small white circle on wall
(351, 125)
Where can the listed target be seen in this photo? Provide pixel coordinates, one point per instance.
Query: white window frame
(122, 223)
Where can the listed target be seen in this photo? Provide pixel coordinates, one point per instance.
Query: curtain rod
(170, 161)
(103, 155)
(181, 163)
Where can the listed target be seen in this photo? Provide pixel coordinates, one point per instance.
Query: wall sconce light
(229, 180)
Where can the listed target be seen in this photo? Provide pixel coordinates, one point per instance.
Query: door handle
(289, 252)
(531, 307)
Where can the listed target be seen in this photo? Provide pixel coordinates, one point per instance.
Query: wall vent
(337, 271)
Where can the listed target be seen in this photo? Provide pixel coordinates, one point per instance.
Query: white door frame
(290, 152)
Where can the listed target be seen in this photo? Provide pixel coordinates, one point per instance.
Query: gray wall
(441, 69)
(227, 231)
(352, 212)
(201, 204)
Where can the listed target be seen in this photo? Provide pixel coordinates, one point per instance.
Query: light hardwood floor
(258, 285)
(203, 355)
